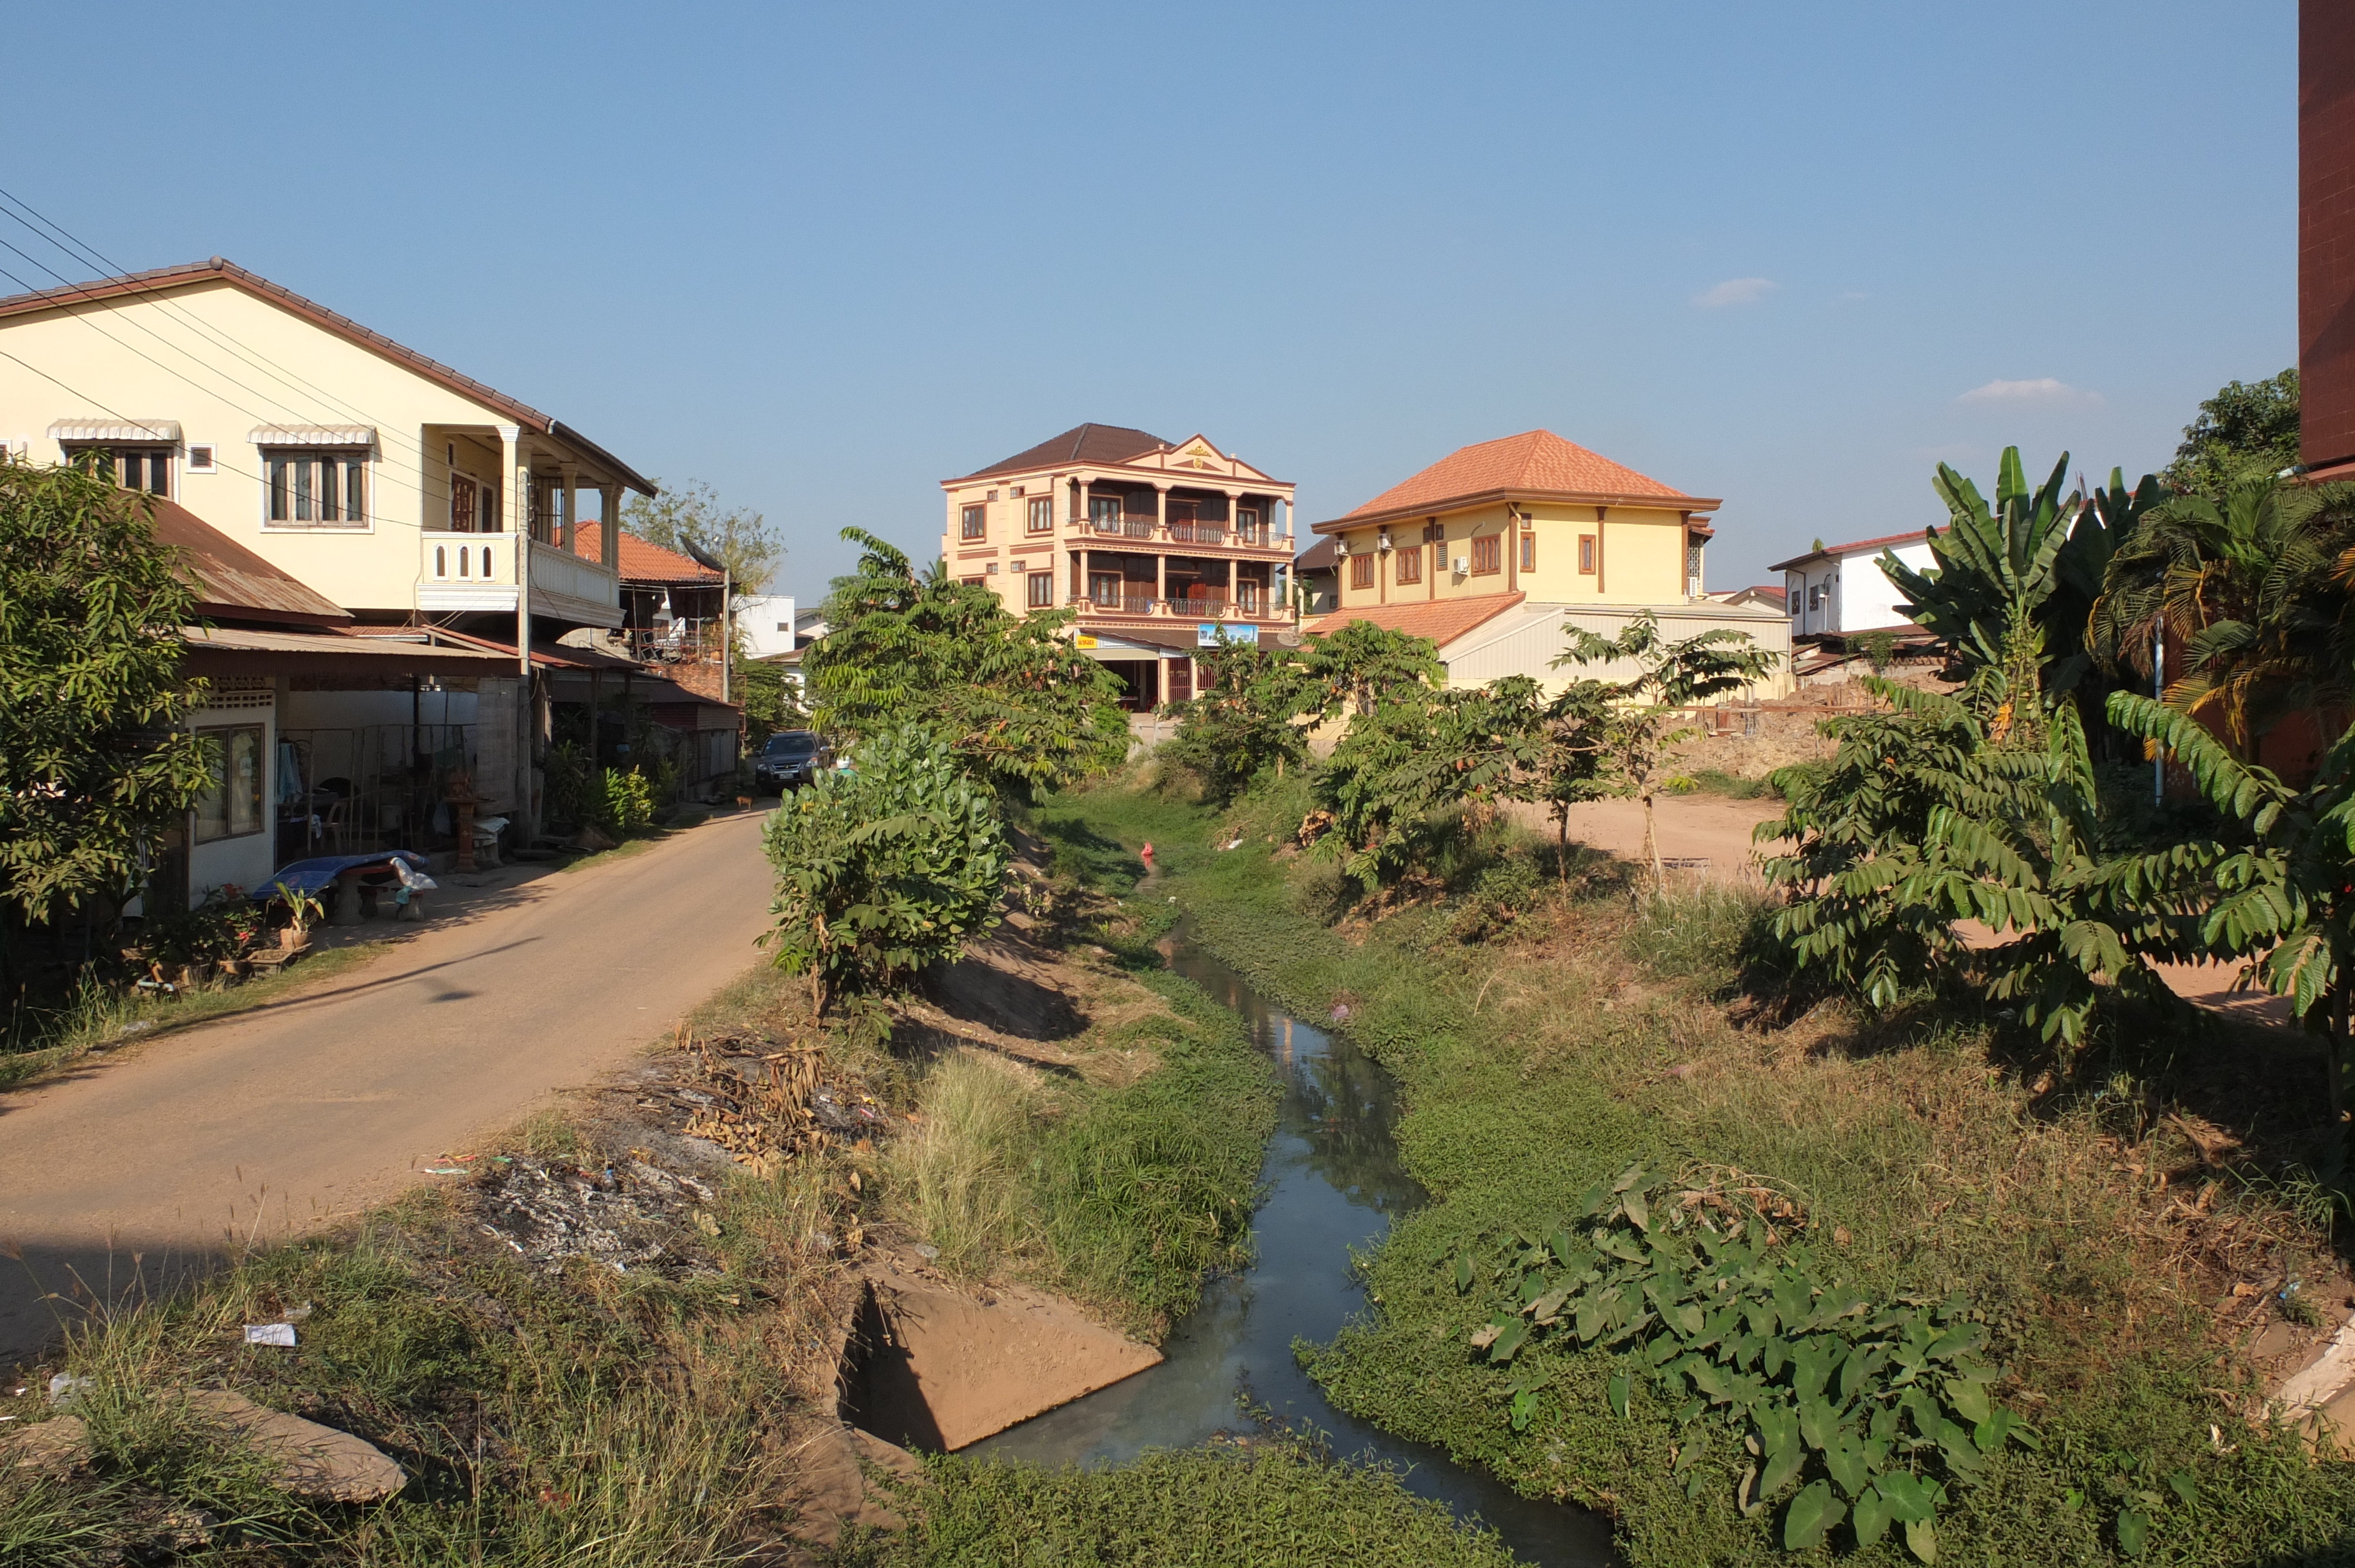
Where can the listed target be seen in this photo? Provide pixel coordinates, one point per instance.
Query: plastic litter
(270, 1334)
(65, 1385)
(927, 1251)
(445, 1170)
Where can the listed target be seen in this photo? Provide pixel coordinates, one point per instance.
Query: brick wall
(2325, 230)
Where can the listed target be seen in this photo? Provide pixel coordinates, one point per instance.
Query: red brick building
(2326, 235)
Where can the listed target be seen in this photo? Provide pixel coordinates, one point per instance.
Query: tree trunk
(1652, 844)
(1561, 842)
(2337, 1068)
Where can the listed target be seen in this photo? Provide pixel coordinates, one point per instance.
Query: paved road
(319, 1105)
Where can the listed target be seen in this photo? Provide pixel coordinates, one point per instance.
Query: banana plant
(1997, 567)
(2283, 903)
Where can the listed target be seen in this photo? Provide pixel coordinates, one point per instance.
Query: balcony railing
(1261, 534)
(1260, 607)
(680, 642)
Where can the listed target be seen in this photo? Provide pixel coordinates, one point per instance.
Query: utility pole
(2159, 695)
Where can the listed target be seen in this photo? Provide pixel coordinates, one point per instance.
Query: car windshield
(793, 746)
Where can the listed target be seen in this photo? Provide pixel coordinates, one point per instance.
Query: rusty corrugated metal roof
(232, 583)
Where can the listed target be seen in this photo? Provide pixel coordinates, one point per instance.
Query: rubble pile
(629, 1217)
(761, 1103)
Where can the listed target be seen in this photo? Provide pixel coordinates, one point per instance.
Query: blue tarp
(311, 875)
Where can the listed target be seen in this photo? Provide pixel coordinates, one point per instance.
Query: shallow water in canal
(1334, 1181)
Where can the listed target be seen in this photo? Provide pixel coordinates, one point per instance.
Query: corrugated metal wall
(1524, 640)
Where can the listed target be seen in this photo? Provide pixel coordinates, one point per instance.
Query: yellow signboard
(1083, 641)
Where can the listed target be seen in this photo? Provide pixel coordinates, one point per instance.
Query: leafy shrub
(574, 792)
(1251, 717)
(629, 803)
(885, 868)
(1740, 1330)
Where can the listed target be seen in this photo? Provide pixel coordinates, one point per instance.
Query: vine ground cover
(1595, 1034)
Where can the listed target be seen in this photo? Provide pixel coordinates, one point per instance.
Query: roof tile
(641, 562)
(1081, 443)
(1533, 462)
(1443, 620)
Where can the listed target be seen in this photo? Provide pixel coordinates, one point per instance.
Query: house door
(1105, 587)
(1181, 680)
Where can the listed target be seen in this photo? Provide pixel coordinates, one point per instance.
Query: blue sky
(823, 256)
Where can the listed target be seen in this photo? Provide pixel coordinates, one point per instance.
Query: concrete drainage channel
(1017, 1375)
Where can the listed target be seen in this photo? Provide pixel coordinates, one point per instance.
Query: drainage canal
(1334, 1181)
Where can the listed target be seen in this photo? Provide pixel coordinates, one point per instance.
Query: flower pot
(193, 975)
(236, 969)
(293, 939)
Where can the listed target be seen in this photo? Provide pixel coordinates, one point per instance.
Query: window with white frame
(230, 807)
(132, 468)
(315, 487)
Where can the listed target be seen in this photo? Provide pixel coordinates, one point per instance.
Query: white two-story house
(1839, 590)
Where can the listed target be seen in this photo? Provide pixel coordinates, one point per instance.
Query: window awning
(313, 435)
(164, 432)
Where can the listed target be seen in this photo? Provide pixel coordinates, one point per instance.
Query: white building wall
(764, 624)
(1526, 640)
(1850, 593)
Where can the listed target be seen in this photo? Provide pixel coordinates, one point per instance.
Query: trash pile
(630, 1217)
(764, 1104)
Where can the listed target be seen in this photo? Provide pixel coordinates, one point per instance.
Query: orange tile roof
(1442, 620)
(641, 562)
(1535, 464)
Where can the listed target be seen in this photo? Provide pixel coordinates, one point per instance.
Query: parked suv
(790, 759)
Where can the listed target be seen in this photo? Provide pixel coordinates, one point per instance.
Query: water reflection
(1334, 1180)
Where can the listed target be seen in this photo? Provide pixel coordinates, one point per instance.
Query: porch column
(1085, 511)
(609, 533)
(1231, 587)
(1087, 586)
(1161, 506)
(571, 509)
(1161, 584)
(1234, 514)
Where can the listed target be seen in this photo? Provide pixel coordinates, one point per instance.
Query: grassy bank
(572, 1412)
(1927, 1153)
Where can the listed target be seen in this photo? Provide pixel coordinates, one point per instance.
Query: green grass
(101, 1017)
(1274, 1504)
(1535, 1064)
(1733, 786)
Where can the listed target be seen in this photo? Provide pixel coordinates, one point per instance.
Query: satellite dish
(702, 556)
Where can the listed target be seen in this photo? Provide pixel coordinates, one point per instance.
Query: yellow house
(397, 487)
(1494, 549)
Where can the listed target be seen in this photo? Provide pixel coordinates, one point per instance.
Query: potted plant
(302, 912)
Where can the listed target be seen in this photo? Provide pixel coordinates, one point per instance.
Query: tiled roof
(641, 562)
(1443, 620)
(433, 370)
(1081, 443)
(1850, 548)
(1536, 463)
(1321, 557)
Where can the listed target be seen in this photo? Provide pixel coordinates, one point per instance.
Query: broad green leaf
(1907, 1496)
(1969, 1399)
(1547, 1307)
(1509, 1340)
(1463, 1273)
(1811, 1516)
(1922, 1539)
(1990, 1433)
(1638, 1211)
(1777, 1430)
(1782, 1465)
(1686, 1319)
(1871, 1517)
(1628, 1177)
(2133, 1532)
(1845, 1462)
(1818, 1423)
(1774, 1356)
(1615, 1392)
(2184, 1486)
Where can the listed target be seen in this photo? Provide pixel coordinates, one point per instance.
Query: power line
(80, 251)
(387, 472)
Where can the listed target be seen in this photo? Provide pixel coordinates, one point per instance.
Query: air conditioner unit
(1384, 544)
(1463, 565)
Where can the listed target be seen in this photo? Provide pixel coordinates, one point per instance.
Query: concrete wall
(764, 624)
(1525, 641)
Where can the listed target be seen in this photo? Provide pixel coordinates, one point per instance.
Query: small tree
(1361, 665)
(2246, 427)
(1251, 715)
(1419, 755)
(1631, 731)
(1020, 705)
(93, 763)
(883, 869)
(738, 536)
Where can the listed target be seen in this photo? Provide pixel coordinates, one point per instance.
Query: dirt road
(1710, 835)
(321, 1104)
